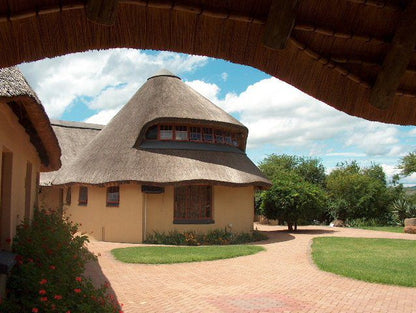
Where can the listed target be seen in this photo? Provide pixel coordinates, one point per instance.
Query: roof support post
(102, 11)
(396, 60)
(280, 22)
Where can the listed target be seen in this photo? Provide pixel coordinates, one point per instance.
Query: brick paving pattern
(281, 279)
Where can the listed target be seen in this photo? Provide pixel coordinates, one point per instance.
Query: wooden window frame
(193, 205)
(213, 132)
(83, 191)
(112, 203)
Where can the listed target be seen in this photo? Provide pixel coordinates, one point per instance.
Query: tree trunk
(289, 226)
(296, 226)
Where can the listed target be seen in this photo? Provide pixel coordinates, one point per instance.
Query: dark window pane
(152, 132)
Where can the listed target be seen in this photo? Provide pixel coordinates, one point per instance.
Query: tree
(356, 192)
(408, 164)
(310, 169)
(292, 199)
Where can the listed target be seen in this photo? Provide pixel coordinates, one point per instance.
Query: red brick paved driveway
(281, 279)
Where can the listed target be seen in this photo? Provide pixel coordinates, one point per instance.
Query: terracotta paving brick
(281, 279)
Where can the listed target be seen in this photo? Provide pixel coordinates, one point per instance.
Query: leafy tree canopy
(310, 169)
(408, 164)
(293, 199)
(358, 192)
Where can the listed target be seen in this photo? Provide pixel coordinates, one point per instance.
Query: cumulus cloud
(109, 78)
(280, 115)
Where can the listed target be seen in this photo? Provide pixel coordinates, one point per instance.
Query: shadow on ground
(283, 235)
(93, 271)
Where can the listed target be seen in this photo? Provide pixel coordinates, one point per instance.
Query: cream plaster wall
(14, 139)
(117, 224)
(231, 205)
(141, 213)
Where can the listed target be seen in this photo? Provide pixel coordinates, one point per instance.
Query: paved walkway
(281, 279)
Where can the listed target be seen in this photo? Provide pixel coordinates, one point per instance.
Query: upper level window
(166, 132)
(219, 136)
(195, 134)
(192, 133)
(113, 196)
(83, 195)
(152, 132)
(181, 133)
(208, 137)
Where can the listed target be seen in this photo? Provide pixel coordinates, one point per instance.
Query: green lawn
(167, 255)
(386, 261)
(391, 229)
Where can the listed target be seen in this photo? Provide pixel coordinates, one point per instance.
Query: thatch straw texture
(115, 154)
(22, 100)
(334, 53)
(72, 138)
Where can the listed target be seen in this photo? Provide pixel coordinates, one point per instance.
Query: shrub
(48, 276)
(213, 237)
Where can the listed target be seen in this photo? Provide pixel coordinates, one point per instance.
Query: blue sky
(93, 86)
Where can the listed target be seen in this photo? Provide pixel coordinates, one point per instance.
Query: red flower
(19, 259)
(52, 267)
(43, 299)
(77, 290)
(78, 278)
(42, 292)
(35, 310)
(58, 297)
(43, 281)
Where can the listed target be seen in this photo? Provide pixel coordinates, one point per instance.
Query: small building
(28, 145)
(169, 160)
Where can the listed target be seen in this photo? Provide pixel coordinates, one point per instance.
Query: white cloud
(209, 91)
(108, 77)
(224, 76)
(102, 117)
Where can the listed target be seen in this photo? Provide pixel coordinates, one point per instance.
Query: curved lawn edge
(374, 260)
(181, 254)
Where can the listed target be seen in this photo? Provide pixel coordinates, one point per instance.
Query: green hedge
(213, 237)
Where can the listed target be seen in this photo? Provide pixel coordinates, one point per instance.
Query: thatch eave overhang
(23, 102)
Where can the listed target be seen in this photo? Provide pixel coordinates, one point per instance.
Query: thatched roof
(72, 138)
(118, 153)
(22, 100)
(356, 55)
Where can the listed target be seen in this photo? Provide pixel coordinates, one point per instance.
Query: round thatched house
(169, 160)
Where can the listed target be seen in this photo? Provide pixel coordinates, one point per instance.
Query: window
(193, 205)
(113, 196)
(227, 138)
(208, 135)
(219, 138)
(181, 133)
(152, 133)
(166, 132)
(68, 196)
(83, 195)
(195, 134)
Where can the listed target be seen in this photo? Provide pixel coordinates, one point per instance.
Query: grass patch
(390, 229)
(168, 255)
(386, 261)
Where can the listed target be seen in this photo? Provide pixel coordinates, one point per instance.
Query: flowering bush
(213, 237)
(48, 276)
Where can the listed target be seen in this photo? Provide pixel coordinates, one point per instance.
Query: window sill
(207, 221)
(112, 205)
(82, 204)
